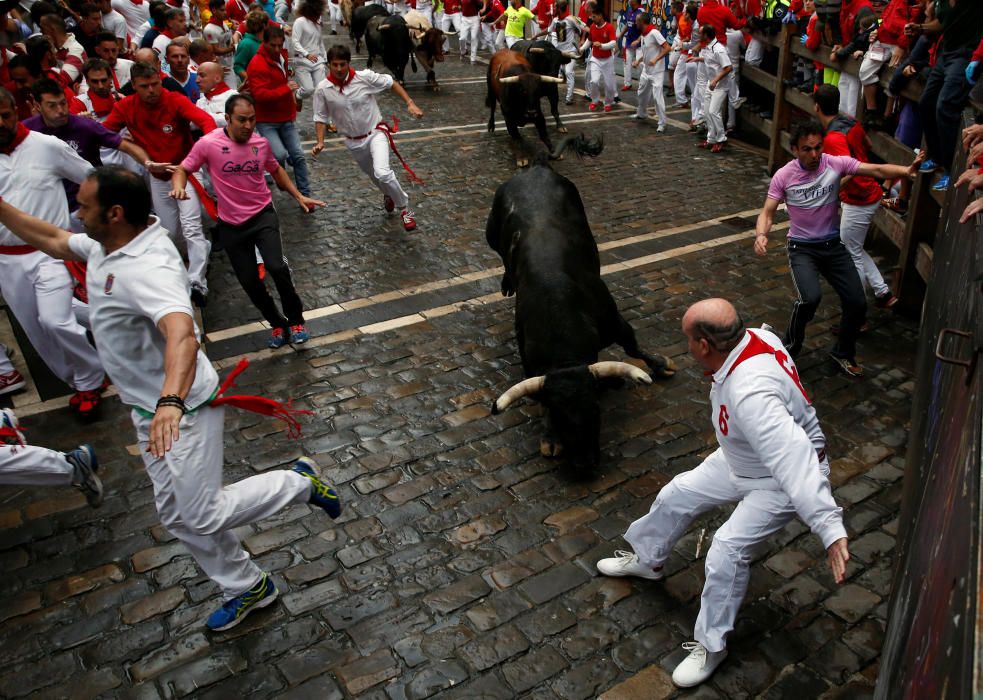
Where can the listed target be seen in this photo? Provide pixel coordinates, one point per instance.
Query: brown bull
(514, 85)
(428, 45)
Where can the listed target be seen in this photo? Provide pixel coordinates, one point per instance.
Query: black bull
(390, 37)
(360, 20)
(564, 313)
(546, 59)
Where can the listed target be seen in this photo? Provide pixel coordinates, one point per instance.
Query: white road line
(422, 316)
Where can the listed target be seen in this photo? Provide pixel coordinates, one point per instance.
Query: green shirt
(248, 46)
(515, 23)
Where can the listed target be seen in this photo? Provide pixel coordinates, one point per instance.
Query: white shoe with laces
(698, 666)
(626, 564)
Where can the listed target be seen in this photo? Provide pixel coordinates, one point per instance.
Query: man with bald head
(150, 56)
(771, 462)
(214, 91)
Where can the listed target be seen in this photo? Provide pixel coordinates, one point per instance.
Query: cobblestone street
(463, 565)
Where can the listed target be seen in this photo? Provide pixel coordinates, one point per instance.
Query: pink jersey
(237, 171)
(812, 196)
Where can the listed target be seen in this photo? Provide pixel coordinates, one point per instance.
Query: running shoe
(592, 106)
(607, 108)
(409, 222)
(199, 297)
(321, 494)
(388, 204)
(717, 148)
(85, 465)
(86, 402)
(698, 666)
(261, 271)
(942, 185)
(11, 382)
(848, 365)
(885, 301)
(703, 144)
(626, 564)
(299, 334)
(928, 165)
(235, 610)
(277, 338)
(625, 88)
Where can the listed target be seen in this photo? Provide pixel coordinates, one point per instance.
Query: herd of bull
(564, 313)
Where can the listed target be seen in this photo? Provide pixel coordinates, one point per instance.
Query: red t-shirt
(604, 34)
(718, 17)
(163, 130)
(470, 8)
(845, 137)
(544, 13)
(452, 7)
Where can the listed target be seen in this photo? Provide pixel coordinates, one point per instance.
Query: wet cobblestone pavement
(463, 565)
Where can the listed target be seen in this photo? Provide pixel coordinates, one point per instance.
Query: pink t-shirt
(812, 196)
(237, 171)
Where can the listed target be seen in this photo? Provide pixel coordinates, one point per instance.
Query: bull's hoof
(521, 162)
(563, 130)
(664, 367)
(550, 448)
(507, 289)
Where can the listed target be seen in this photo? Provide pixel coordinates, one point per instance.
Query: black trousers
(831, 260)
(263, 232)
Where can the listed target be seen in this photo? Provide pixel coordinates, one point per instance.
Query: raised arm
(36, 232)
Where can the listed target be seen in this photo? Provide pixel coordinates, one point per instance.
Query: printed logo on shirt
(249, 166)
(107, 289)
(255, 150)
(168, 128)
(74, 144)
(722, 420)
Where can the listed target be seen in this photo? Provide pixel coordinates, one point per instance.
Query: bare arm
(766, 219)
(180, 363)
(320, 129)
(410, 104)
(887, 171)
(179, 183)
(37, 232)
(285, 184)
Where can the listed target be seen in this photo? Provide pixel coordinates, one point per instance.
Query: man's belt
(17, 249)
(389, 131)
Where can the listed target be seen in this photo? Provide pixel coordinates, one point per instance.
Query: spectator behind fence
(947, 90)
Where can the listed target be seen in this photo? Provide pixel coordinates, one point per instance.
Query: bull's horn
(570, 55)
(384, 26)
(601, 370)
(449, 33)
(509, 79)
(551, 79)
(523, 388)
(537, 49)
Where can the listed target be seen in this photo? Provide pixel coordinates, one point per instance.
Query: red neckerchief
(217, 90)
(342, 83)
(101, 106)
(167, 33)
(137, 2)
(19, 136)
(217, 22)
(649, 28)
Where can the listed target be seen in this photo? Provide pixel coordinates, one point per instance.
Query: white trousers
(195, 507)
(854, 223)
(713, 106)
(601, 76)
(38, 290)
(697, 105)
(629, 57)
(309, 75)
(568, 73)
(470, 32)
(27, 465)
(490, 36)
(682, 80)
(849, 93)
(183, 217)
(372, 156)
(447, 21)
(650, 89)
(509, 40)
(762, 510)
(427, 11)
(334, 13)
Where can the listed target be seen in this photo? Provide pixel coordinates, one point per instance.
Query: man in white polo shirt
(38, 289)
(146, 336)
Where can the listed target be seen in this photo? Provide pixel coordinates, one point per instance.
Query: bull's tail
(580, 144)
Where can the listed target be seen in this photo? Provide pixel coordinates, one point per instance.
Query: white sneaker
(661, 129)
(698, 666)
(626, 564)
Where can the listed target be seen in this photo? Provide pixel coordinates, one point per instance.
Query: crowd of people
(125, 127)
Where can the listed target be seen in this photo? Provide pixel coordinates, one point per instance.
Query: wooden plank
(753, 120)
(758, 77)
(891, 225)
(923, 261)
(920, 227)
(888, 149)
(799, 99)
(781, 111)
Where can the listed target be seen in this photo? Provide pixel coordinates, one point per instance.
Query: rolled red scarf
(259, 404)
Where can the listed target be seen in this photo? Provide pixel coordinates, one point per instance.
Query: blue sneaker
(321, 494)
(299, 334)
(942, 185)
(234, 611)
(277, 339)
(928, 166)
(85, 465)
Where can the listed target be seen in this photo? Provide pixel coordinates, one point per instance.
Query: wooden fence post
(781, 110)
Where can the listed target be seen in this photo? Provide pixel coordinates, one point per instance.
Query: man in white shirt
(214, 91)
(565, 34)
(219, 36)
(135, 12)
(146, 335)
(718, 70)
(347, 97)
(115, 23)
(36, 288)
(771, 462)
(108, 50)
(175, 25)
(655, 48)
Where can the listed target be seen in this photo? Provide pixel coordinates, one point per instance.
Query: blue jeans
(285, 142)
(943, 99)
